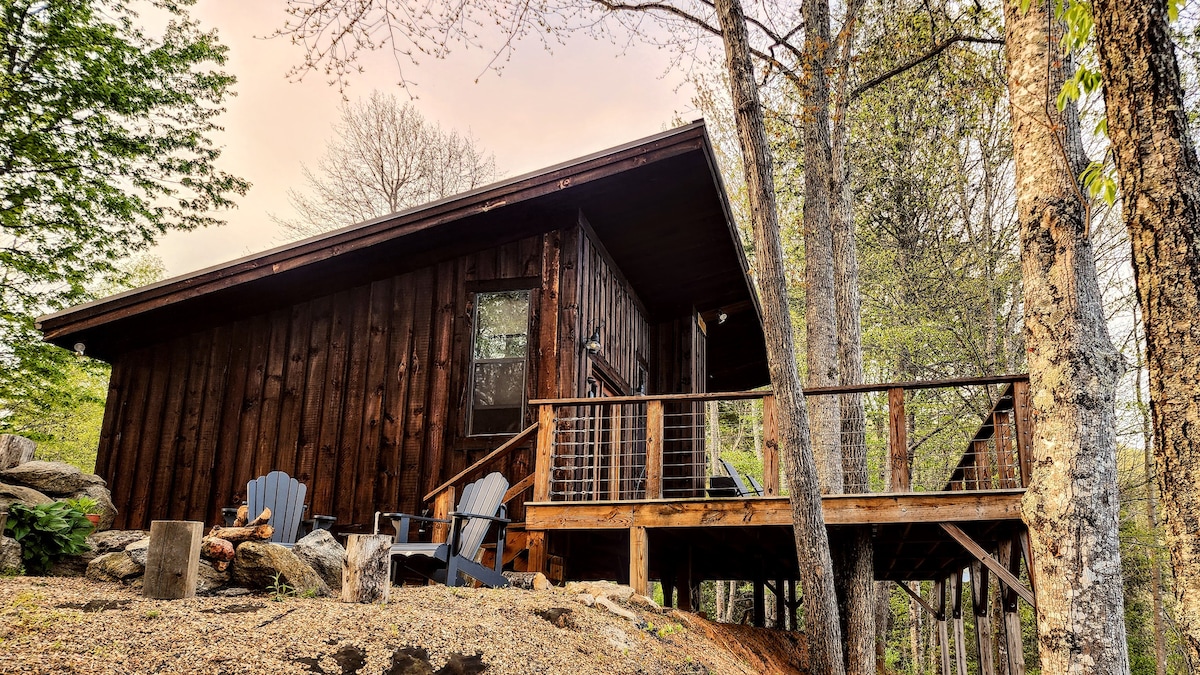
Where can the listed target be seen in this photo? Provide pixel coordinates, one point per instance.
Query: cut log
(15, 450)
(530, 581)
(216, 549)
(262, 519)
(243, 516)
(173, 559)
(236, 535)
(365, 572)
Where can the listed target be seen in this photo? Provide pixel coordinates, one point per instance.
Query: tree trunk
(1071, 504)
(1160, 187)
(812, 541)
(855, 584)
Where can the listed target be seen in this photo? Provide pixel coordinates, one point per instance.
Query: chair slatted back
(282, 494)
(483, 497)
(743, 491)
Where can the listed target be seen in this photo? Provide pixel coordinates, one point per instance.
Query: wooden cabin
(376, 361)
(577, 329)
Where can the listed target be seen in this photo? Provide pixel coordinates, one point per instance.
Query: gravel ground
(77, 626)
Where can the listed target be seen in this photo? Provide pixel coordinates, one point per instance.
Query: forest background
(935, 220)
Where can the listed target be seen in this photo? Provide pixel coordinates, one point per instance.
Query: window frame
(474, 361)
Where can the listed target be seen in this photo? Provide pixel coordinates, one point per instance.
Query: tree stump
(15, 450)
(173, 559)
(365, 572)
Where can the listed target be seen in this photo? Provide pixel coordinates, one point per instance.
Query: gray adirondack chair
(481, 505)
(740, 487)
(284, 495)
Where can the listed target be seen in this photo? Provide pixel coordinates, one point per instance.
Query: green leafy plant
(84, 505)
(47, 533)
(280, 591)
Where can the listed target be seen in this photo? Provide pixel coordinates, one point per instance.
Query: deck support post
(668, 588)
(684, 582)
(535, 541)
(1010, 557)
(760, 602)
(792, 605)
(983, 620)
(943, 635)
(780, 605)
(901, 478)
(770, 447)
(639, 560)
(960, 639)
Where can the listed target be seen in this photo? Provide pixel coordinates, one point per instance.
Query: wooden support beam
(614, 453)
(521, 486)
(917, 596)
(443, 506)
(943, 634)
(760, 603)
(770, 447)
(792, 605)
(639, 561)
(780, 605)
(536, 543)
(654, 449)
(960, 639)
(992, 564)
(543, 464)
(901, 479)
(983, 619)
(1023, 421)
(856, 509)
(1010, 557)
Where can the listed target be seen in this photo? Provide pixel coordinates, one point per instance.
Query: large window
(501, 340)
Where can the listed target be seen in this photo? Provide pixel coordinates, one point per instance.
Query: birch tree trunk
(1071, 505)
(1160, 187)
(812, 541)
(820, 319)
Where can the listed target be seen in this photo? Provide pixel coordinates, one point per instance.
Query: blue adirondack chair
(481, 504)
(284, 495)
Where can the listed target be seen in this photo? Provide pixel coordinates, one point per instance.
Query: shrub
(47, 533)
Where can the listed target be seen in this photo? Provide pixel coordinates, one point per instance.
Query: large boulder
(208, 579)
(15, 450)
(56, 479)
(138, 550)
(10, 555)
(10, 494)
(113, 567)
(262, 565)
(72, 565)
(320, 551)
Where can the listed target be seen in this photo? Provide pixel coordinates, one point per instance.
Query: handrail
(605, 400)
(1007, 402)
(490, 457)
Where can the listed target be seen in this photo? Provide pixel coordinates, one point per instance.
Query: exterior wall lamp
(593, 345)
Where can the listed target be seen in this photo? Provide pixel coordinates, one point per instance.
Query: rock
(10, 555)
(209, 579)
(232, 592)
(586, 599)
(104, 504)
(320, 551)
(530, 581)
(115, 540)
(410, 661)
(55, 479)
(137, 551)
(216, 548)
(612, 607)
(113, 567)
(618, 639)
(644, 602)
(600, 589)
(15, 450)
(559, 616)
(10, 494)
(258, 564)
(72, 566)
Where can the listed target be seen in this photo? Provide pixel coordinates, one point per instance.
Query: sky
(544, 108)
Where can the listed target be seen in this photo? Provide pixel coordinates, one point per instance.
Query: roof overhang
(657, 205)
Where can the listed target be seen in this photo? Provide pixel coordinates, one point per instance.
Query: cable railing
(925, 436)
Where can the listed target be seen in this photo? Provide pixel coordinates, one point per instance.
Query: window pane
(499, 384)
(501, 325)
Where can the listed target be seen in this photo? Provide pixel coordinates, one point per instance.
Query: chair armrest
(323, 522)
(427, 519)
(494, 519)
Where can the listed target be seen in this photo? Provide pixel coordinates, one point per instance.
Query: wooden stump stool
(173, 559)
(366, 570)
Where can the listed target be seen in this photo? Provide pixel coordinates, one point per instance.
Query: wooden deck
(734, 538)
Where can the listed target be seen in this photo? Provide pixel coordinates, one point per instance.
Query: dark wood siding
(359, 393)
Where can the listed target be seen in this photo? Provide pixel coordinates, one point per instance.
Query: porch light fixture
(593, 345)
(721, 316)
(79, 347)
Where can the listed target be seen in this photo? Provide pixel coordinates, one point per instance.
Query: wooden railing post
(654, 449)
(1007, 473)
(544, 460)
(614, 453)
(770, 446)
(443, 506)
(1021, 419)
(901, 479)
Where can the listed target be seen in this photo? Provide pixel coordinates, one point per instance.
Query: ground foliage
(104, 146)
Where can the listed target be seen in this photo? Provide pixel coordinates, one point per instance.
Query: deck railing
(964, 434)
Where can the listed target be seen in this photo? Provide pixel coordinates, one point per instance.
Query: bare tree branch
(933, 52)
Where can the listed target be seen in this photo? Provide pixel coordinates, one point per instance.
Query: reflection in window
(498, 363)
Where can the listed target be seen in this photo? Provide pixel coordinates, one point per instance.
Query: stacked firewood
(221, 543)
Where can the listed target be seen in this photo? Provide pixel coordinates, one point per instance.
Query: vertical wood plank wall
(359, 393)
(607, 301)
